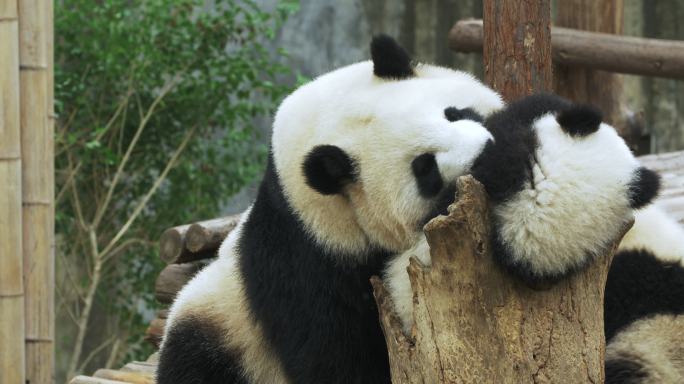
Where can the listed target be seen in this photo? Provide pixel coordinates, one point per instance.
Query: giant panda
(644, 303)
(549, 161)
(361, 158)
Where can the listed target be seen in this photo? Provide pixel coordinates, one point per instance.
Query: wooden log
(208, 235)
(474, 323)
(163, 313)
(517, 46)
(196, 241)
(127, 377)
(143, 367)
(93, 380)
(37, 188)
(172, 278)
(620, 54)
(173, 247)
(12, 351)
(155, 331)
(172, 244)
(671, 168)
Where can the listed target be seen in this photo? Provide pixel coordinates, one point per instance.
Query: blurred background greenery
(157, 103)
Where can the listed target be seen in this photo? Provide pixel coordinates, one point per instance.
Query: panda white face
(564, 186)
(367, 153)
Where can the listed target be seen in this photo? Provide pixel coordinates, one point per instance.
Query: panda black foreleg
(193, 354)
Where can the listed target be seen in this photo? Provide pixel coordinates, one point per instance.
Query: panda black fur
(351, 179)
(644, 303)
(361, 158)
(563, 185)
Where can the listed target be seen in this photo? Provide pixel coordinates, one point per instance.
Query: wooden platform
(137, 372)
(671, 167)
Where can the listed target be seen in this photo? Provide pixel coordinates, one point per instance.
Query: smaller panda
(563, 186)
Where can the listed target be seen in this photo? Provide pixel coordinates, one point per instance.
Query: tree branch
(141, 127)
(150, 192)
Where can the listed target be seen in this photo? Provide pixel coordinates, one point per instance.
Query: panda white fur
(563, 187)
(361, 158)
(644, 303)
(289, 299)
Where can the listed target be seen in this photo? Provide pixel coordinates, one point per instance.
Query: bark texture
(517, 46)
(592, 50)
(585, 85)
(473, 323)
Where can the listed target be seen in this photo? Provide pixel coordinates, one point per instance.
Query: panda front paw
(563, 186)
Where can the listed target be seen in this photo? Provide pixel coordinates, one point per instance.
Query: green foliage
(136, 76)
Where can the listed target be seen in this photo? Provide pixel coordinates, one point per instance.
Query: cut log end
(172, 244)
(208, 235)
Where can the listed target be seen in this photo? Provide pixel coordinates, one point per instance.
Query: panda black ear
(328, 169)
(580, 120)
(390, 60)
(643, 188)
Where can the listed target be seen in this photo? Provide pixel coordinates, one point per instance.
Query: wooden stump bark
(474, 323)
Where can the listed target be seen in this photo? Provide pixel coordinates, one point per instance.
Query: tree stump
(474, 323)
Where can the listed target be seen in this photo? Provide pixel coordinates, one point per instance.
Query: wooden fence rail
(621, 54)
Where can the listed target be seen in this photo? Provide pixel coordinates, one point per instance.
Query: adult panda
(361, 158)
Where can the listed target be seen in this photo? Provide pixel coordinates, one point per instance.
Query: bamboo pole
(12, 355)
(37, 187)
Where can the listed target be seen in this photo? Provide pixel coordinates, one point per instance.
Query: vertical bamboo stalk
(37, 189)
(12, 355)
(517, 46)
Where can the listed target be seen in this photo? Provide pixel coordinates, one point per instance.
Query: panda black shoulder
(304, 300)
(199, 336)
(640, 285)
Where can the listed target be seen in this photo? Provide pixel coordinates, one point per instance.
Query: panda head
(368, 153)
(563, 183)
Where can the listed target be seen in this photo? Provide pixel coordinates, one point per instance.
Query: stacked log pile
(186, 249)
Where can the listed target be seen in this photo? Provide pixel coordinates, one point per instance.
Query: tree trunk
(579, 84)
(473, 323)
(517, 46)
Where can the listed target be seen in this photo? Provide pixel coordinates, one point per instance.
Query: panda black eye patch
(455, 114)
(427, 175)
